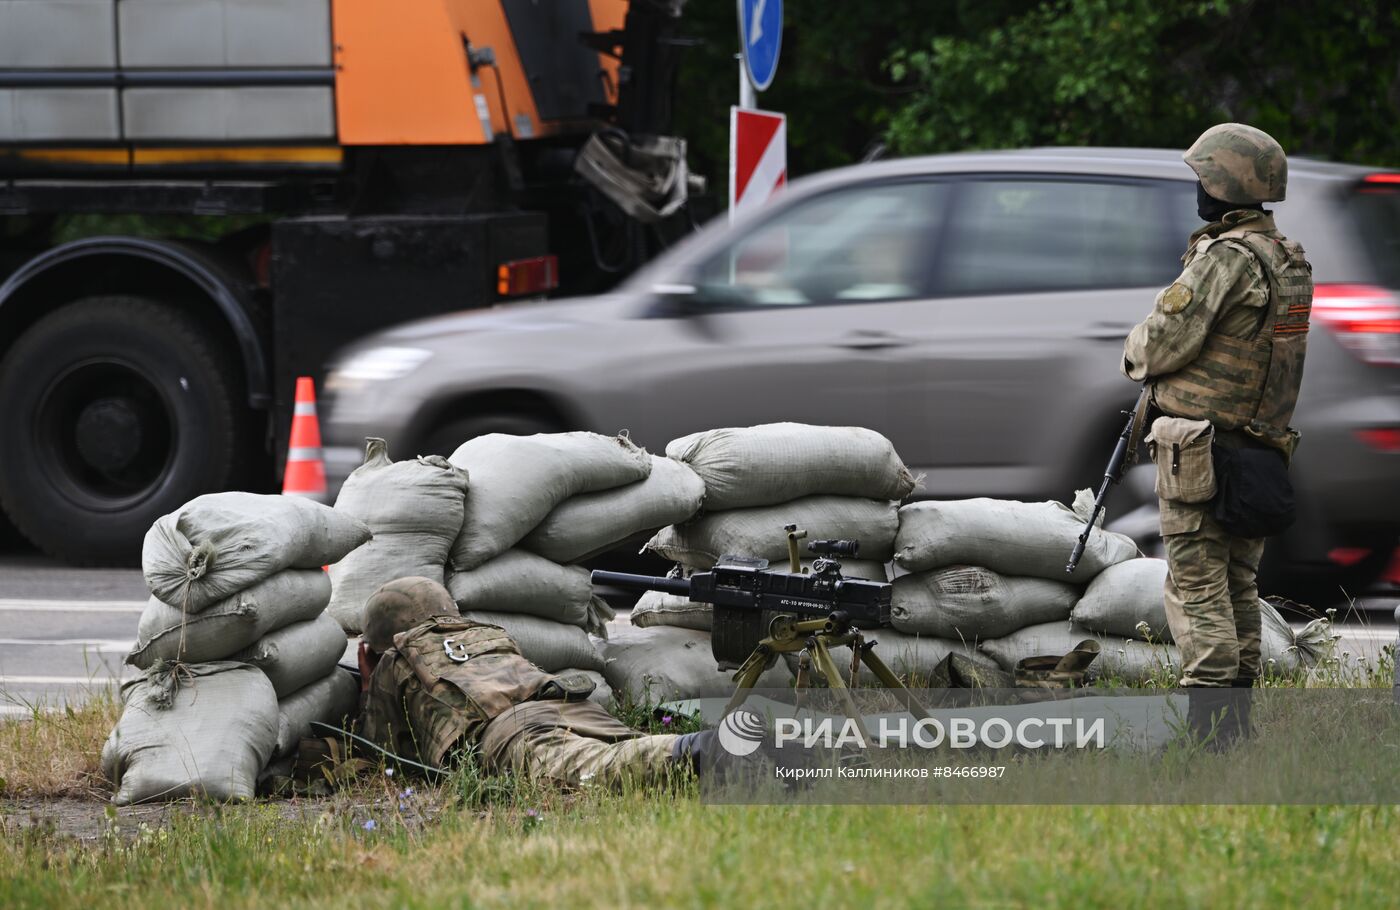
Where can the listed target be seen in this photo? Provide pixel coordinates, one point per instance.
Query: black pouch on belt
(1254, 497)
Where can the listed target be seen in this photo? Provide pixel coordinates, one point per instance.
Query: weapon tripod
(812, 640)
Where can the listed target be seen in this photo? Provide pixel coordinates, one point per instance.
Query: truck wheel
(118, 410)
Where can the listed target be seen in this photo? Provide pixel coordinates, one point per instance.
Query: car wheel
(444, 439)
(1317, 587)
(119, 410)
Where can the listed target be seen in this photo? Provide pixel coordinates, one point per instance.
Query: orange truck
(296, 173)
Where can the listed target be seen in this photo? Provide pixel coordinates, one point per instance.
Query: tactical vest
(1251, 383)
(444, 682)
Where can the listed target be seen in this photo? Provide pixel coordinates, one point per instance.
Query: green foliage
(951, 75)
(1321, 78)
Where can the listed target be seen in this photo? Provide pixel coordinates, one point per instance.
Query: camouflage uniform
(425, 705)
(1225, 343)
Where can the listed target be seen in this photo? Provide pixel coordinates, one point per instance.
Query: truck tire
(117, 410)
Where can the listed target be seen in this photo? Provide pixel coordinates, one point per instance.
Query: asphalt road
(64, 631)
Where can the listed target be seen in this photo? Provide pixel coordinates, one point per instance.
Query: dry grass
(57, 751)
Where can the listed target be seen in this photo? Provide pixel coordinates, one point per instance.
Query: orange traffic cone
(306, 470)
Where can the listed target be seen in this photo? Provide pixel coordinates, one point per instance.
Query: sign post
(757, 139)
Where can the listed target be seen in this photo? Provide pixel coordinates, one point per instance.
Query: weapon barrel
(629, 582)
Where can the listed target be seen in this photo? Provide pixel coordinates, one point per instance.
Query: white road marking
(71, 606)
(108, 645)
(62, 680)
(25, 711)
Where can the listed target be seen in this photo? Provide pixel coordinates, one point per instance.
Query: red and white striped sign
(757, 157)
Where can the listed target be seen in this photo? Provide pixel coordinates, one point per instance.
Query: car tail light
(1365, 319)
(1381, 178)
(1382, 439)
(1347, 557)
(527, 276)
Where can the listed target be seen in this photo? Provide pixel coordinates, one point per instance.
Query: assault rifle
(1124, 454)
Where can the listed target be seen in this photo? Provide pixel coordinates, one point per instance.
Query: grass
(479, 841)
(656, 850)
(57, 752)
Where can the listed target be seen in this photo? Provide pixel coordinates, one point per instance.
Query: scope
(835, 547)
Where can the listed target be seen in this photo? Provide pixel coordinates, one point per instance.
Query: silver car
(971, 307)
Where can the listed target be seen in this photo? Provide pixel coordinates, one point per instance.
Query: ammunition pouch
(1255, 497)
(1181, 449)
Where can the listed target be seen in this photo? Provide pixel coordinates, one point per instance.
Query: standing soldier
(1223, 352)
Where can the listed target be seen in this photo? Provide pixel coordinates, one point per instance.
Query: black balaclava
(1212, 210)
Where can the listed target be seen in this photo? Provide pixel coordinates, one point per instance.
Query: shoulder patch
(1175, 299)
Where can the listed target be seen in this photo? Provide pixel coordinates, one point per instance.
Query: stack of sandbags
(832, 482)
(414, 509)
(236, 577)
(537, 505)
(979, 569)
(1125, 603)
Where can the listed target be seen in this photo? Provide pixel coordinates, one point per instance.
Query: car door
(1039, 279)
(802, 317)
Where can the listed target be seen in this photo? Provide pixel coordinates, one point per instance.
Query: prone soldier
(437, 684)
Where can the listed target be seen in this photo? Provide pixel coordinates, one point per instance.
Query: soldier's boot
(705, 753)
(1218, 717)
(709, 759)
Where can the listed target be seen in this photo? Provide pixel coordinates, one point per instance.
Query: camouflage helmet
(1240, 164)
(400, 605)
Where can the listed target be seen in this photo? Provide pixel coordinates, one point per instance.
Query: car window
(1012, 236)
(1377, 210)
(865, 243)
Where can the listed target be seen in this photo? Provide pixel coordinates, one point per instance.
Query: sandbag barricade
(414, 509)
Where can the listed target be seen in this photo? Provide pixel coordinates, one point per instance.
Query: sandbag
(1121, 659)
(216, 545)
(551, 646)
(1123, 595)
(759, 532)
(518, 581)
(1132, 592)
(779, 462)
(1013, 538)
(413, 508)
(1285, 651)
(656, 608)
(584, 526)
(914, 657)
(518, 480)
(296, 656)
(333, 699)
(970, 603)
(194, 730)
(868, 569)
(234, 623)
(662, 663)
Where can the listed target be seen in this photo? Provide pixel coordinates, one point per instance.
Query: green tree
(1321, 77)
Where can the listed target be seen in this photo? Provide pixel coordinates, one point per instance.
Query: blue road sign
(761, 34)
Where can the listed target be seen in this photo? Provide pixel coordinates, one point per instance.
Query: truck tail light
(1365, 319)
(527, 276)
